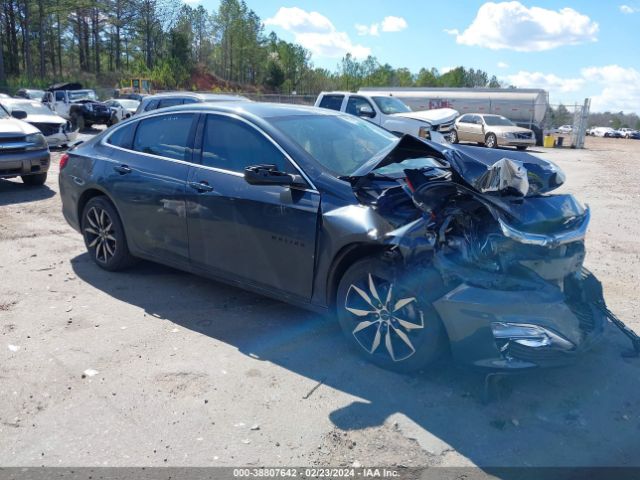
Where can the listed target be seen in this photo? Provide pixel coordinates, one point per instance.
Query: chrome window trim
(104, 143)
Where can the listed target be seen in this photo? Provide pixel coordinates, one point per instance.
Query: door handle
(202, 186)
(122, 169)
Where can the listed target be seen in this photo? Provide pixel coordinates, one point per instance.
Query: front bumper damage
(481, 325)
(514, 292)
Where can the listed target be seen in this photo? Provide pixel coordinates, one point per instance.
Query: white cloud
(445, 69)
(388, 24)
(393, 24)
(373, 29)
(627, 9)
(511, 25)
(298, 20)
(547, 81)
(316, 32)
(503, 65)
(620, 88)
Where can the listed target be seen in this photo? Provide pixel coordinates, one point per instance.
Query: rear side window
(122, 137)
(170, 102)
(230, 144)
(332, 102)
(190, 100)
(165, 135)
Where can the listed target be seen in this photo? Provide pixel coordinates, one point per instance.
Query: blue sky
(574, 49)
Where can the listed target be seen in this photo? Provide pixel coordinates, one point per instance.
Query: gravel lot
(181, 370)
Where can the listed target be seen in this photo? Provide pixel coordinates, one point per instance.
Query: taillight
(63, 160)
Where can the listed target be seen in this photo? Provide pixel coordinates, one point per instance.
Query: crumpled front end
(510, 255)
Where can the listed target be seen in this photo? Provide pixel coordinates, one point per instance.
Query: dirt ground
(155, 367)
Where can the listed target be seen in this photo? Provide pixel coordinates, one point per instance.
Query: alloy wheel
(100, 234)
(382, 316)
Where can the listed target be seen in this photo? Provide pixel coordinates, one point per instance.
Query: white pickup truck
(390, 113)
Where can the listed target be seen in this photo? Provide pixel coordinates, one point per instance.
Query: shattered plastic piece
(255, 427)
(14, 348)
(246, 441)
(90, 372)
(175, 330)
(503, 176)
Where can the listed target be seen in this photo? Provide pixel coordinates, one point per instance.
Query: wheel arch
(87, 195)
(347, 256)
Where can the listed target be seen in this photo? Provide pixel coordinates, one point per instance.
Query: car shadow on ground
(584, 415)
(14, 191)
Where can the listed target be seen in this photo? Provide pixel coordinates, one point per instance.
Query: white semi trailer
(526, 107)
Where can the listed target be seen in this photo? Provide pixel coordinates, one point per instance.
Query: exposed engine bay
(486, 221)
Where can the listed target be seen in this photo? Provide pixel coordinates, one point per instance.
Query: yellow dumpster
(548, 141)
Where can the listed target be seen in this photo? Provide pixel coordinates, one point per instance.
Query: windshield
(76, 95)
(340, 143)
(32, 108)
(495, 121)
(129, 104)
(390, 105)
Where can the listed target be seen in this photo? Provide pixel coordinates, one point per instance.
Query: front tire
(104, 235)
(387, 315)
(34, 180)
(453, 137)
(491, 141)
(521, 147)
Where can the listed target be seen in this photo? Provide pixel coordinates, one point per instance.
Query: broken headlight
(533, 336)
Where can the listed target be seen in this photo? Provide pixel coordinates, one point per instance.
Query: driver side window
(231, 144)
(358, 106)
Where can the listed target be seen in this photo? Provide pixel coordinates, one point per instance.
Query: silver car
(492, 131)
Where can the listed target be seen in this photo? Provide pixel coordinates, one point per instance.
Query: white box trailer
(527, 107)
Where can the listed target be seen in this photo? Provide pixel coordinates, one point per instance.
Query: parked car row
(609, 132)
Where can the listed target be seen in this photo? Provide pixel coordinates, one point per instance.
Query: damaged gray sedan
(416, 247)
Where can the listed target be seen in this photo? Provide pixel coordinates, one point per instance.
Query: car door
(361, 107)
(462, 128)
(476, 129)
(147, 174)
(263, 235)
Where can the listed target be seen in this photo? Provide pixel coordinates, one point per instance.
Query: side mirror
(19, 114)
(366, 112)
(269, 175)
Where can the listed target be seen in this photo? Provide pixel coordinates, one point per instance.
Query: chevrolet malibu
(415, 247)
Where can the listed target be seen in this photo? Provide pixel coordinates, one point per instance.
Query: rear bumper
(468, 313)
(24, 163)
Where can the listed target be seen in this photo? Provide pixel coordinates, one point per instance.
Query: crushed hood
(434, 117)
(484, 170)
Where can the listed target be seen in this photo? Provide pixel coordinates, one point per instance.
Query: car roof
(199, 95)
(258, 109)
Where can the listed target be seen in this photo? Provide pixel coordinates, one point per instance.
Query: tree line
(105, 42)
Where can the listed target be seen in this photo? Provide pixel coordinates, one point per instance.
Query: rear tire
(388, 316)
(34, 180)
(491, 141)
(104, 235)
